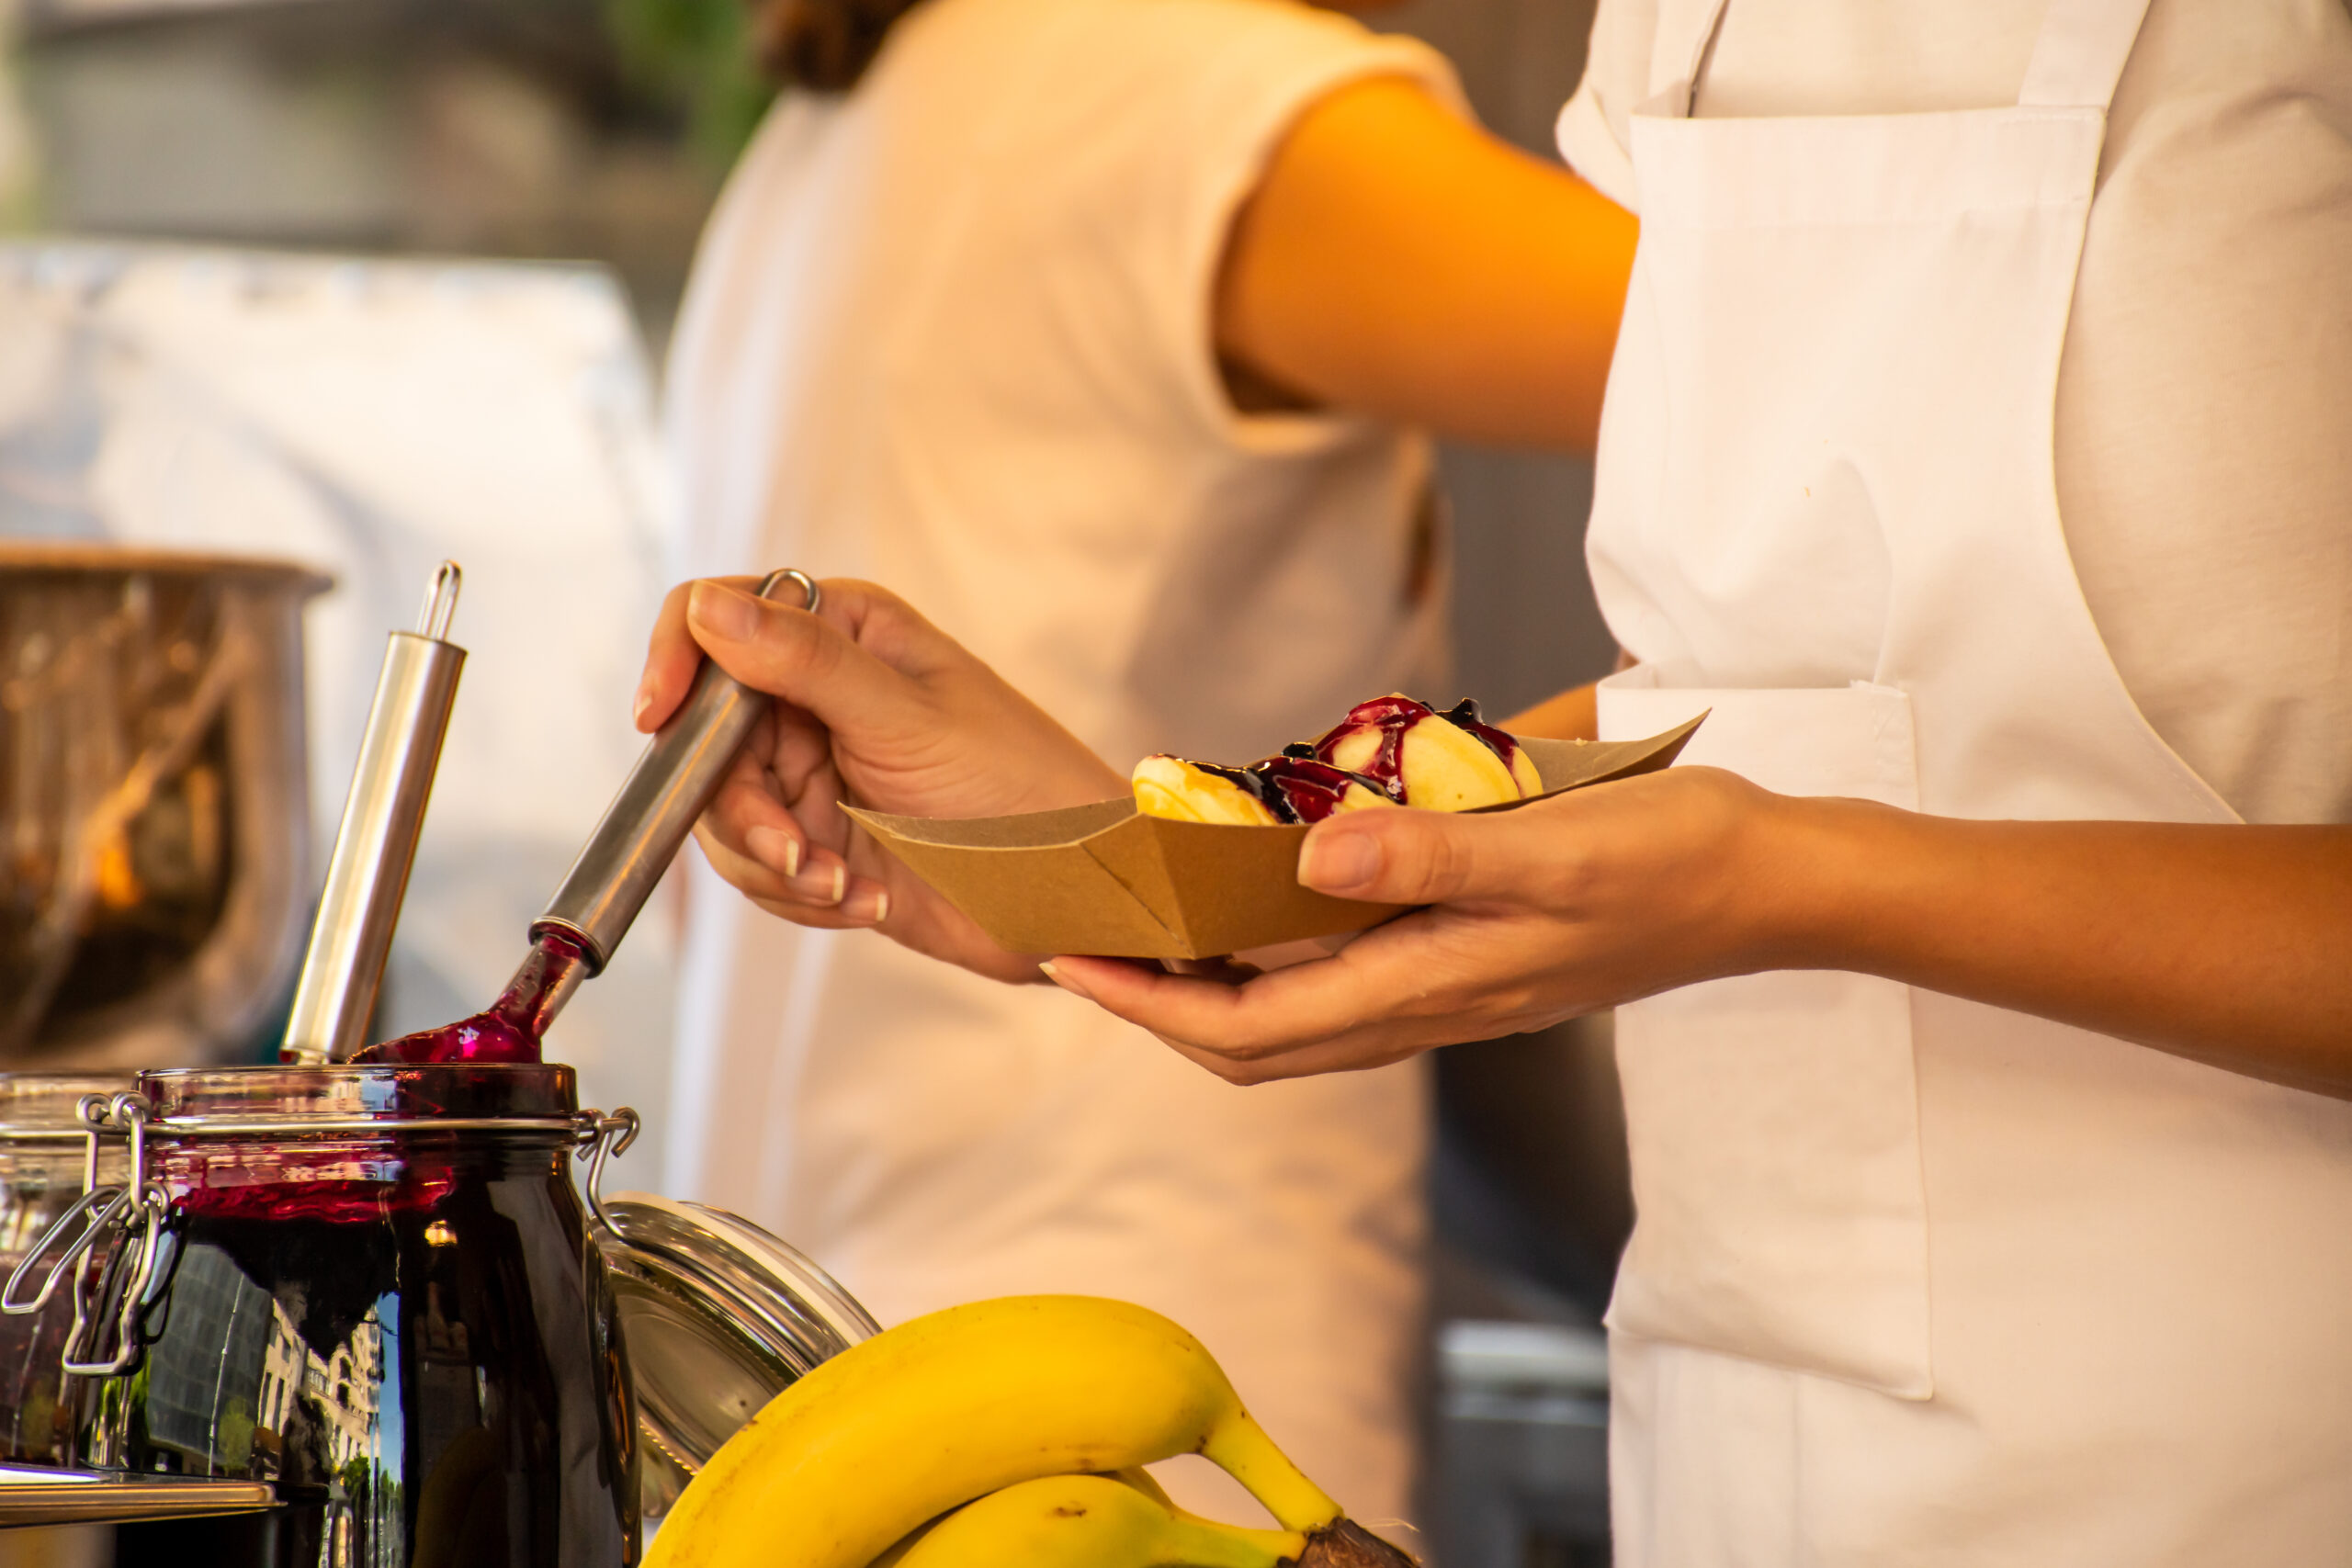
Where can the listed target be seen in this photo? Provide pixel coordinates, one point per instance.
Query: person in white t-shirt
(1974, 456)
(951, 327)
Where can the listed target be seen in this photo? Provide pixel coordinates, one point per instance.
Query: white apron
(1918, 1280)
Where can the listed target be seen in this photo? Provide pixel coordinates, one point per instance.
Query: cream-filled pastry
(1200, 792)
(1439, 762)
(1391, 751)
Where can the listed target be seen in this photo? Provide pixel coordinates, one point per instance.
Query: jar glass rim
(388, 1092)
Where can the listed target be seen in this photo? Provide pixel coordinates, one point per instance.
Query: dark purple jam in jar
(407, 1329)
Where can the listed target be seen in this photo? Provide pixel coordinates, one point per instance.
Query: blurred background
(527, 178)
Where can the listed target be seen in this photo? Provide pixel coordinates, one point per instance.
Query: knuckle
(1243, 1074)
(1441, 860)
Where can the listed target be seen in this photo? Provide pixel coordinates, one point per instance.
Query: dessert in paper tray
(1203, 860)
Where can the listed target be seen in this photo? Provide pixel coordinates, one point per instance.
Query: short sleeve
(1269, 65)
(1593, 132)
(1113, 170)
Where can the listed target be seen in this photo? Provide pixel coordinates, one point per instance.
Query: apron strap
(2077, 59)
(2080, 55)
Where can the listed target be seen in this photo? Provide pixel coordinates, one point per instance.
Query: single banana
(928, 1416)
(1092, 1521)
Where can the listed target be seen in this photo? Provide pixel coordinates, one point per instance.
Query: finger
(804, 659)
(748, 803)
(1273, 1013)
(839, 918)
(788, 866)
(1208, 1022)
(1349, 1053)
(762, 861)
(1434, 857)
(672, 657)
(866, 903)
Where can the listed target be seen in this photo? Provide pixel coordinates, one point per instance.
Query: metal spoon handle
(367, 875)
(657, 805)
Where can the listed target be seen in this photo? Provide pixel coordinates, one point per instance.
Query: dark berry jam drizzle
(514, 1027)
(1294, 788)
(1393, 715)
(1310, 790)
(1251, 783)
(1501, 742)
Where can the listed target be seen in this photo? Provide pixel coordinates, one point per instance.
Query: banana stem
(1348, 1544)
(1242, 1450)
(1204, 1543)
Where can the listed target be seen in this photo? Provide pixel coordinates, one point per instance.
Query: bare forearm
(1399, 261)
(2229, 945)
(1572, 715)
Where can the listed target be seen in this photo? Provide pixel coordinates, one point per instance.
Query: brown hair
(821, 44)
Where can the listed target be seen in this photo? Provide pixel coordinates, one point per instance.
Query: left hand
(1561, 907)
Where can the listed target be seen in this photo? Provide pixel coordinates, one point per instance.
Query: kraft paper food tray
(1107, 879)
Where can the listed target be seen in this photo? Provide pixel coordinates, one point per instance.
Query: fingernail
(826, 885)
(644, 701)
(1339, 863)
(871, 905)
(776, 849)
(720, 611)
(1065, 981)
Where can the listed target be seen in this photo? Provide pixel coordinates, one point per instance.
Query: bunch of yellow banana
(1025, 1404)
(1089, 1521)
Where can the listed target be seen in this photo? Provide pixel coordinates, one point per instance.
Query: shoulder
(1135, 53)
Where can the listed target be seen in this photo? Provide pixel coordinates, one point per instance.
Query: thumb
(786, 652)
(1413, 857)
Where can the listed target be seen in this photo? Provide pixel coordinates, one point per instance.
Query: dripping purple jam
(514, 1027)
(1501, 742)
(1294, 788)
(1310, 790)
(1391, 717)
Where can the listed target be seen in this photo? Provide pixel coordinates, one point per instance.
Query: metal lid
(720, 1317)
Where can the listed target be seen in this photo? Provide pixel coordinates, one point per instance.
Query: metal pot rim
(62, 556)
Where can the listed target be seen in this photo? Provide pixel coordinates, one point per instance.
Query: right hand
(877, 707)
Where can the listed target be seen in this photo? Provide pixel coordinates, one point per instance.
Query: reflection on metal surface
(376, 1296)
(152, 811)
(367, 874)
(720, 1317)
(29, 1495)
(648, 822)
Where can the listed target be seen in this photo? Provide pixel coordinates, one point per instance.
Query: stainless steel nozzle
(673, 782)
(382, 815)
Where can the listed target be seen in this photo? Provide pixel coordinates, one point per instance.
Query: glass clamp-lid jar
(373, 1288)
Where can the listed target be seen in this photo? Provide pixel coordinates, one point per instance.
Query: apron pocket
(1774, 1119)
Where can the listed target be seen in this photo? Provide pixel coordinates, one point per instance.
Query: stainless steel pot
(155, 830)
